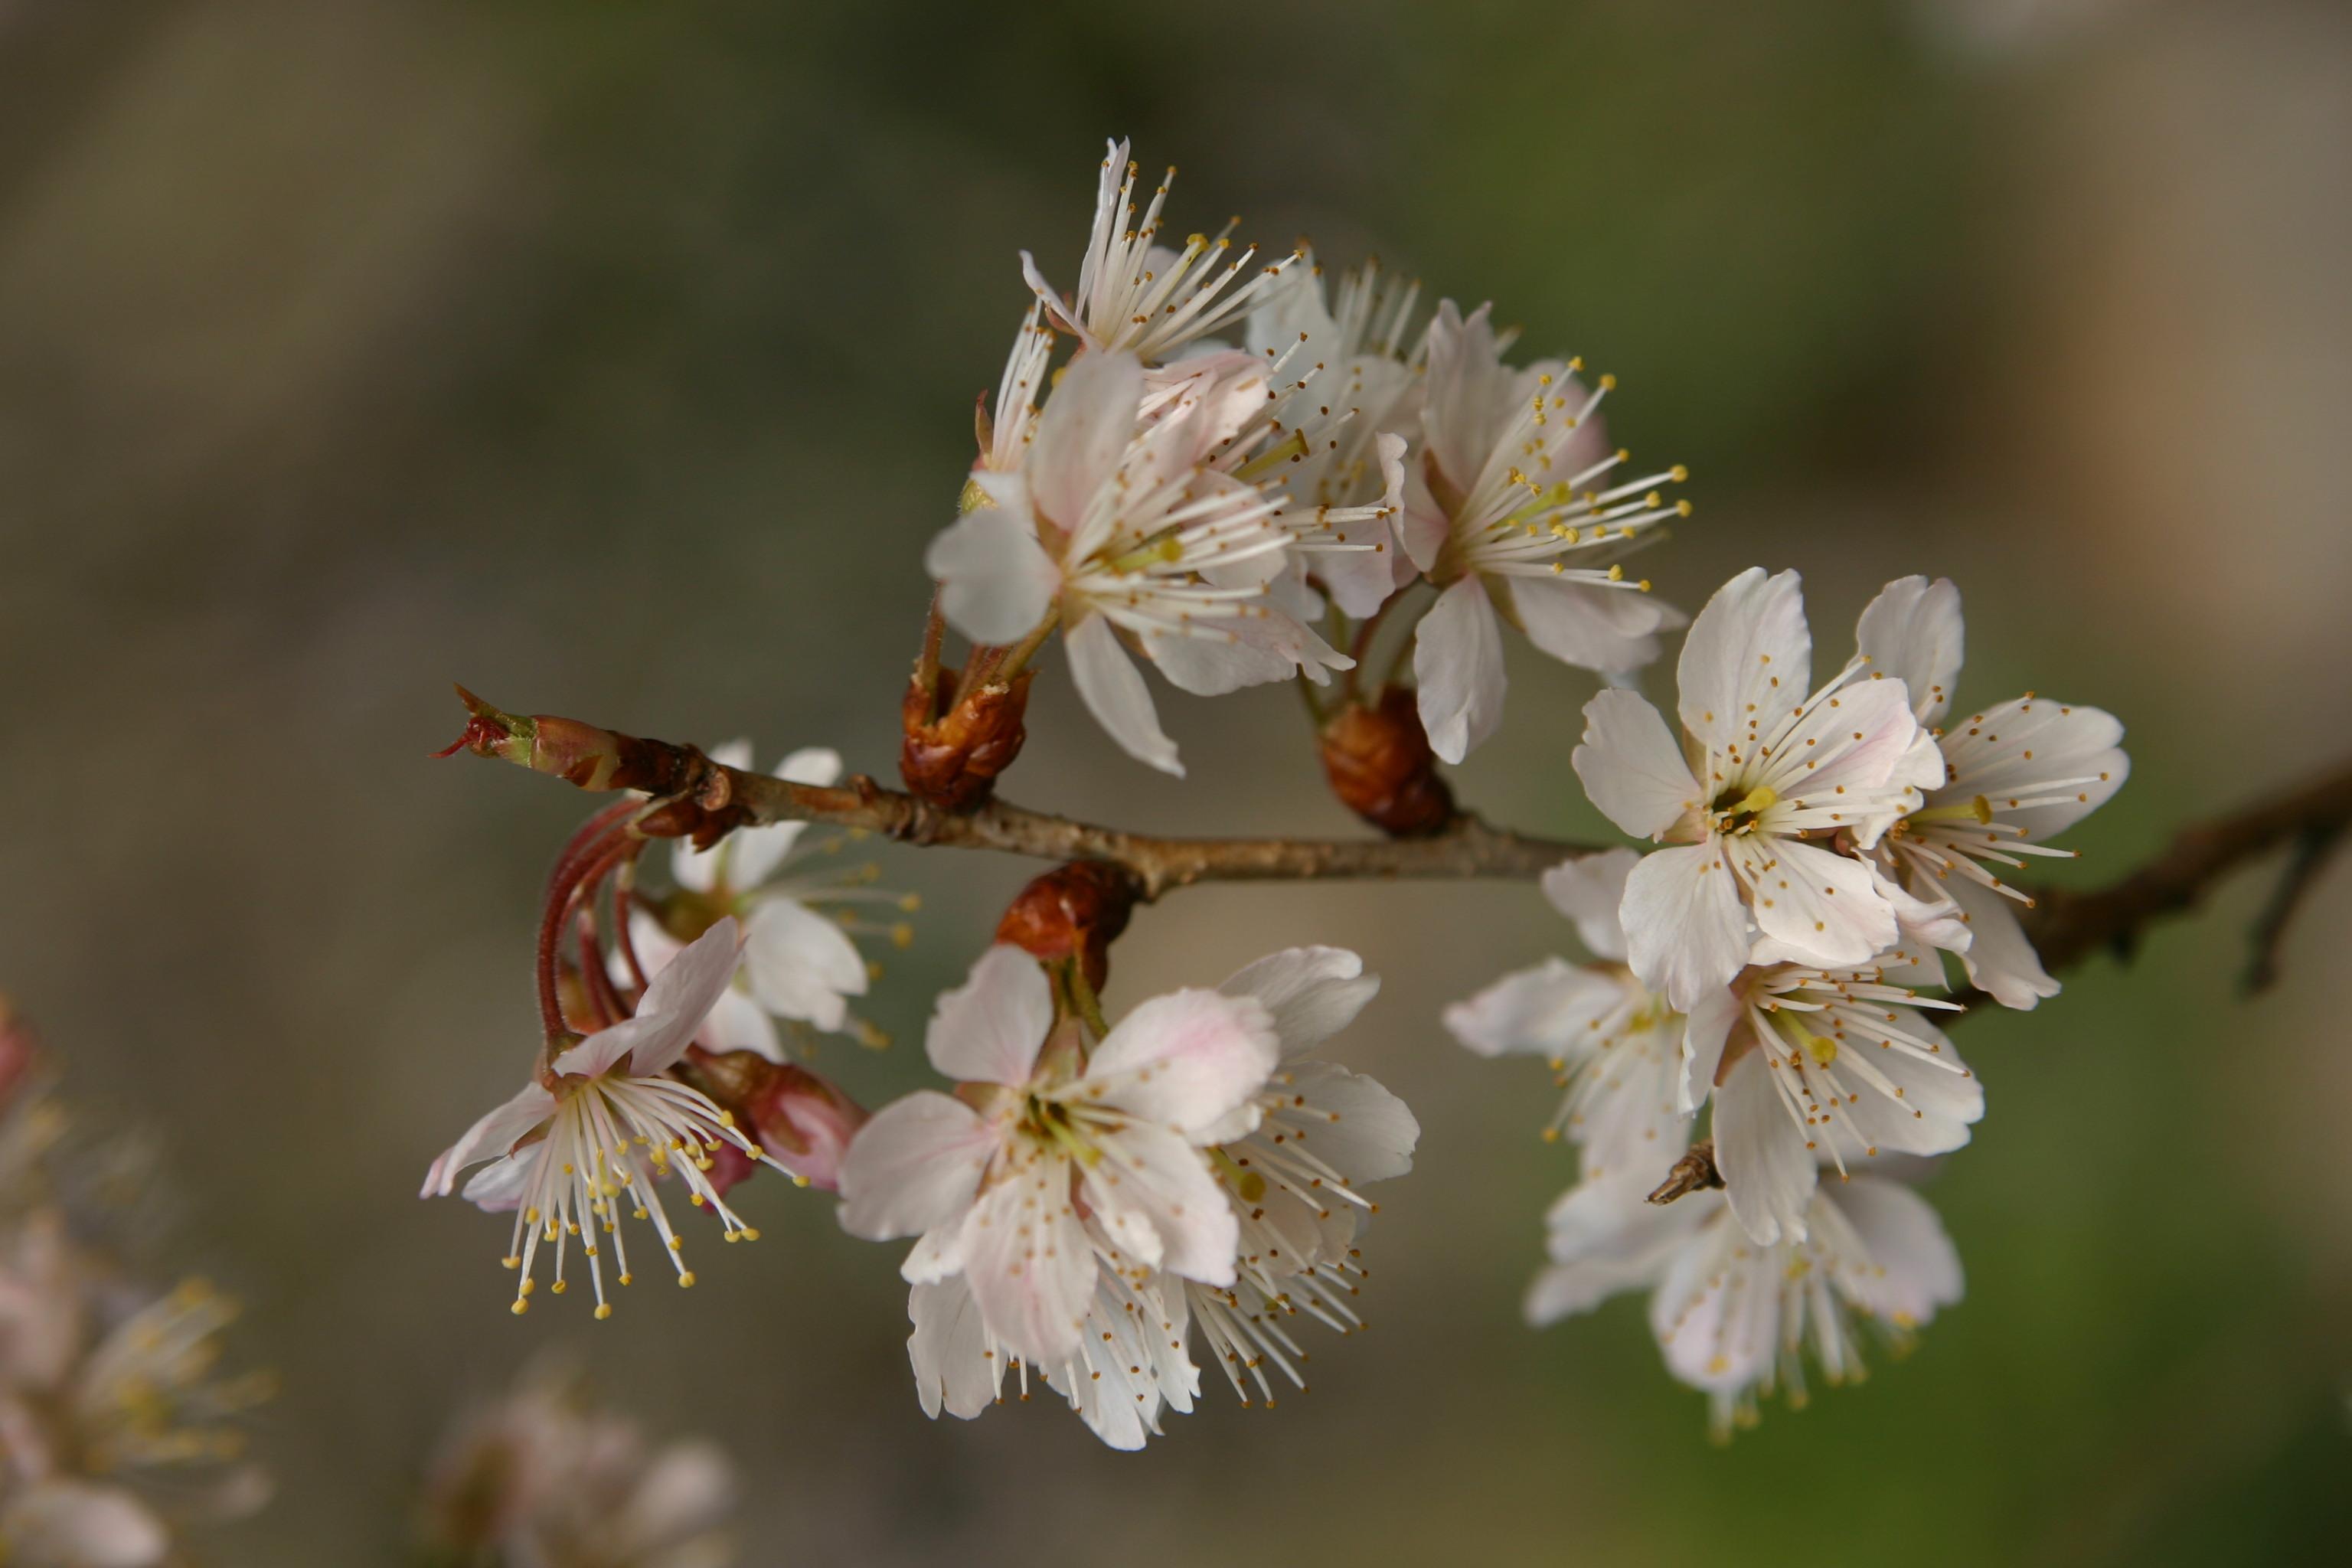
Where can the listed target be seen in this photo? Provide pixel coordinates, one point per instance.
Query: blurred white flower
(2019, 772)
(1734, 1318)
(567, 1158)
(1774, 769)
(1511, 511)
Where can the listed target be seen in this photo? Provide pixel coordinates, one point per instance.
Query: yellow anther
(604, 1311)
(686, 1280)
(519, 1307)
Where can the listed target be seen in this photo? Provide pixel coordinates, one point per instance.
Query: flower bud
(1072, 911)
(951, 758)
(804, 1121)
(1379, 765)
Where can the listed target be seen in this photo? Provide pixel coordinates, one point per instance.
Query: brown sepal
(1379, 765)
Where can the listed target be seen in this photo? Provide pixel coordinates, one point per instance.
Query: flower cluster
(118, 1433)
(1205, 504)
(1829, 845)
(1084, 1197)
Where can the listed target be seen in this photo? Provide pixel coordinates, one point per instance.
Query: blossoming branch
(1228, 467)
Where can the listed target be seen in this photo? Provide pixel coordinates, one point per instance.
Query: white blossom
(1512, 511)
(1734, 1318)
(1776, 776)
(2019, 772)
(569, 1154)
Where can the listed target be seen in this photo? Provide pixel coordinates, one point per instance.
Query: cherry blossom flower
(2019, 772)
(1778, 773)
(542, 1477)
(1045, 1153)
(800, 958)
(1810, 1066)
(1734, 1317)
(1138, 296)
(604, 1123)
(1614, 1045)
(1512, 513)
(1120, 526)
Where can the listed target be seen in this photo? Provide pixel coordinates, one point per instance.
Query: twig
(2302, 868)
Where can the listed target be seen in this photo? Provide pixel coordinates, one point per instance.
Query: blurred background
(618, 359)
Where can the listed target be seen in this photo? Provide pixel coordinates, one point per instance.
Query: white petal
(2081, 745)
(1349, 1122)
(1768, 1175)
(739, 1024)
(1029, 1263)
(1185, 1059)
(801, 964)
(1312, 992)
(1912, 632)
(1914, 1268)
(489, 1137)
(1468, 391)
(914, 1165)
(671, 1012)
(1751, 633)
(1933, 1101)
(1813, 901)
(1630, 766)
(1084, 430)
(1612, 630)
(1716, 1314)
(949, 1350)
(1113, 692)
(1457, 660)
(1706, 1031)
(995, 580)
(1606, 1238)
(498, 1187)
(1252, 650)
(2000, 960)
(1154, 1194)
(988, 1029)
(752, 853)
(1545, 1011)
(1591, 890)
(1686, 932)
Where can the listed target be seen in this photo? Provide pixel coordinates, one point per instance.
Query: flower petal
(1457, 660)
(1685, 931)
(1612, 630)
(1312, 992)
(1768, 1175)
(1591, 890)
(1082, 434)
(1186, 1060)
(1544, 1010)
(1113, 692)
(1029, 1263)
(487, 1139)
(1914, 1268)
(1817, 906)
(1748, 660)
(915, 1165)
(989, 1028)
(1154, 1195)
(801, 964)
(1630, 766)
(2000, 958)
(995, 580)
(949, 1350)
(1912, 632)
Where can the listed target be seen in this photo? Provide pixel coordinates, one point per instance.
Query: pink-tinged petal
(1768, 1175)
(938, 1253)
(1631, 768)
(2000, 958)
(1612, 630)
(1685, 931)
(498, 1187)
(1469, 392)
(1029, 1263)
(995, 580)
(739, 1024)
(1184, 1060)
(1254, 650)
(1457, 661)
(669, 1015)
(1716, 1315)
(1113, 691)
(1913, 1268)
(1154, 1197)
(1422, 528)
(949, 1350)
(989, 1028)
(1544, 1010)
(1349, 1122)
(1312, 992)
(1831, 908)
(1912, 632)
(1088, 421)
(801, 964)
(489, 1137)
(913, 1166)
(1748, 660)
(1590, 891)
(1707, 1030)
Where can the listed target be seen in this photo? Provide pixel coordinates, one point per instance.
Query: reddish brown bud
(1380, 766)
(804, 1121)
(953, 750)
(1074, 911)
